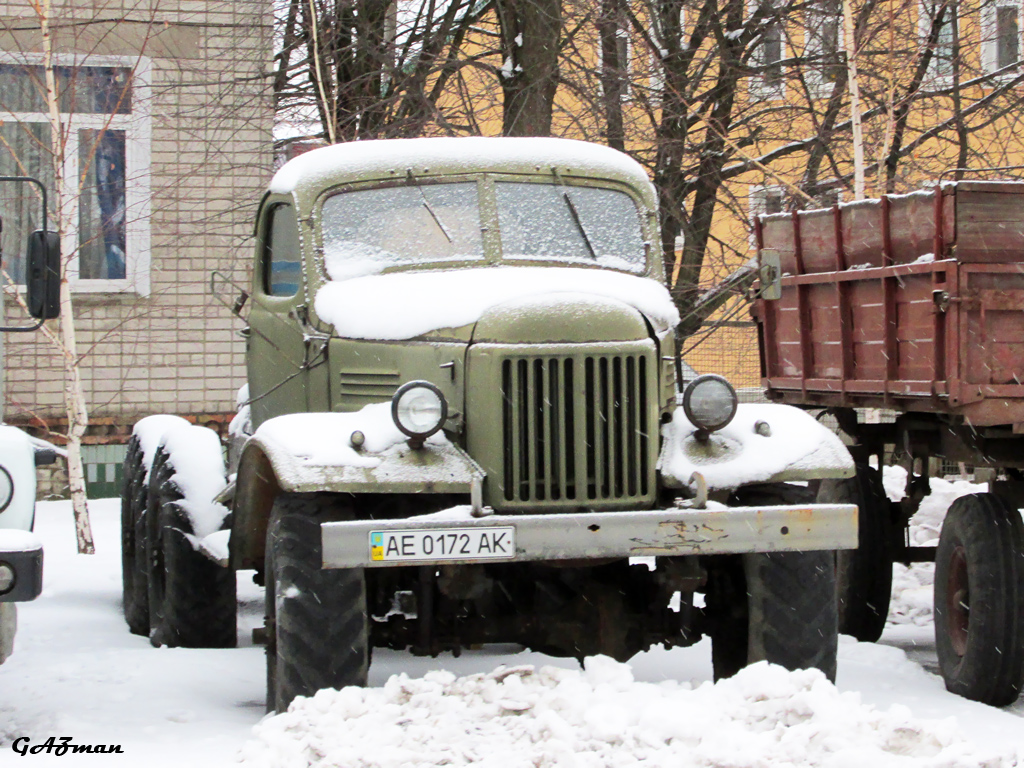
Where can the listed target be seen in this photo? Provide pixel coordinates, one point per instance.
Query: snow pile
(324, 438)
(241, 424)
(521, 716)
(737, 454)
(401, 305)
(912, 587)
(197, 458)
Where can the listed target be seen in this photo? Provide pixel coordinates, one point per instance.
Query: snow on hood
(521, 716)
(465, 154)
(323, 438)
(737, 455)
(402, 305)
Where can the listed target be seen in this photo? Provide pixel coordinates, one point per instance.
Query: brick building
(167, 123)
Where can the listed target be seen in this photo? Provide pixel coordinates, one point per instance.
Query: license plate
(444, 544)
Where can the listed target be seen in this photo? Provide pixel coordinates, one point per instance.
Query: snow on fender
(763, 443)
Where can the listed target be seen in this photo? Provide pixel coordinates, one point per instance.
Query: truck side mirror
(42, 277)
(769, 273)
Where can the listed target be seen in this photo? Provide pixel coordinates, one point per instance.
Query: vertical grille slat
(576, 428)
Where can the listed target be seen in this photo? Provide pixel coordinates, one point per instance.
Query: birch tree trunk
(74, 396)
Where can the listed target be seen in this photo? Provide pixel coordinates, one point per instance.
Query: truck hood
(504, 301)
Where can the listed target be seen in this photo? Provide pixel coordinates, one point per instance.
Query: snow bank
(520, 716)
(453, 155)
(401, 305)
(738, 455)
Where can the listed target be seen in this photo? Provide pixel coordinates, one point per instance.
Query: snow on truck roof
(384, 158)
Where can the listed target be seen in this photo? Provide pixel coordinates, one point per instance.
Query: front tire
(979, 600)
(863, 575)
(778, 607)
(316, 620)
(192, 600)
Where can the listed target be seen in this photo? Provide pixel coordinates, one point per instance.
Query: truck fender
(268, 467)
(764, 443)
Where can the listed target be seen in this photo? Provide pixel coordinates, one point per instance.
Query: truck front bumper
(597, 535)
(21, 570)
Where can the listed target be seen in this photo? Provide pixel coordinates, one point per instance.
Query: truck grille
(576, 428)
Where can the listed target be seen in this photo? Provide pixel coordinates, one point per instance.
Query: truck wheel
(317, 631)
(979, 599)
(863, 575)
(192, 601)
(134, 590)
(778, 607)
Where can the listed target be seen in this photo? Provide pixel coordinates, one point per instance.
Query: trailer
(915, 303)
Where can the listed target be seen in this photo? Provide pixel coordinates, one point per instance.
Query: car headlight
(709, 402)
(6, 488)
(419, 410)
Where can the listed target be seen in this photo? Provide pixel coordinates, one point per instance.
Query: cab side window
(282, 260)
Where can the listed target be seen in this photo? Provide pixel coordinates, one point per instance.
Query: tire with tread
(979, 599)
(192, 600)
(778, 607)
(863, 575)
(317, 627)
(134, 589)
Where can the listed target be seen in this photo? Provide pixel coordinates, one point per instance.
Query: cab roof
(319, 169)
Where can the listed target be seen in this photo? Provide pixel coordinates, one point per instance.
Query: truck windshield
(576, 224)
(367, 230)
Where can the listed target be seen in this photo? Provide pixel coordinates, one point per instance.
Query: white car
(21, 553)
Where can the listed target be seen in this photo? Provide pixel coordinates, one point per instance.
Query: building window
(624, 54)
(823, 45)
(768, 54)
(1000, 35)
(104, 155)
(765, 201)
(940, 69)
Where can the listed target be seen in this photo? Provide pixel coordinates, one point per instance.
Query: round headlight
(6, 488)
(8, 578)
(419, 409)
(709, 402)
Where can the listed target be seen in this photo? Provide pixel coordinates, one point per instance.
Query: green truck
(466, 422)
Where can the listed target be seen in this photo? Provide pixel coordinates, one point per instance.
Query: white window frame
(816, 82)
(989, 32)
(137, 126)
(924, 23)
(758, 87)
(622, 32)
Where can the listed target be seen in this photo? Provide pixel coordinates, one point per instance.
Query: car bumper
(598, 535)
(27, 564)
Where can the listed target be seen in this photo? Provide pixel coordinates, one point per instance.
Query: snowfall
(78, 673)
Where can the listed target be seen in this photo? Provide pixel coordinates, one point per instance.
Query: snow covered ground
(77, 672)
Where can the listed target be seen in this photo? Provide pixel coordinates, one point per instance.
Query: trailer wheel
(777, 606)
(192, 602)
(317, 629)
(863, 575)
(134, 590)
(979, 599)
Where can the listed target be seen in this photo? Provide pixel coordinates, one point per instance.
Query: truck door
(275, 352)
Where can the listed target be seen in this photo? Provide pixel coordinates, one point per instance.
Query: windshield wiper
(575, 215)
(426, 204)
